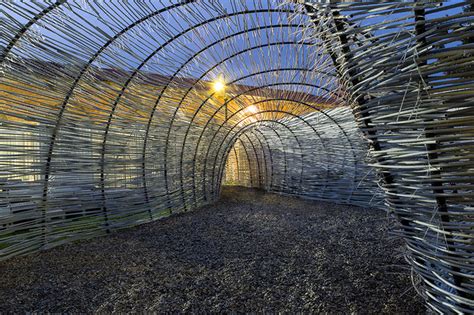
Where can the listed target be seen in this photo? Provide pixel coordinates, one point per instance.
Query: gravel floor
(251, 251)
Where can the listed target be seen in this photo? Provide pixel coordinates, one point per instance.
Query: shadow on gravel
(251, 251)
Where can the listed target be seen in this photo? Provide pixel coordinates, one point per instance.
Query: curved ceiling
(121, 104)
(113, 114)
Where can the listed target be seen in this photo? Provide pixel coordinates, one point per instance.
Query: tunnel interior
(145, 126)
(320, 155)
(115, 114)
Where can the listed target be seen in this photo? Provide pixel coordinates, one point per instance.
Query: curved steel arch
(201, 77)
(282, 99)
(88, 64)
(182, 66)
(176, 73)
(220, 126)
(237, 124)
(222, 142)
(269, 154)
(219, 180)
(233, 98)
(25, 28)
(242, 131)
(263, 154)
(393, 71)
(136, 71)
(83, 69)
(188, 91)
(71, 90)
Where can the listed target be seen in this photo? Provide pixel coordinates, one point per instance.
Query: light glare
(252, 109)
(219, 85)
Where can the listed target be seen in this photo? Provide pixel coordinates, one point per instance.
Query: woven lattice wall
(320, 155)
(408, 69)
(111, 116)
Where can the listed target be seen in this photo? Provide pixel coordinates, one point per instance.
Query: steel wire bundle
(111, 118)
(408, 68)
(319, 155)
(113, 114)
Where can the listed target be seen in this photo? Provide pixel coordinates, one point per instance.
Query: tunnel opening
(320, 156)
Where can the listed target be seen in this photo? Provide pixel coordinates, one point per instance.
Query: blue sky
(140, 45)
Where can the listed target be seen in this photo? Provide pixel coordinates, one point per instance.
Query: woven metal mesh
(320, 155)
(407, 67)
(110, 117)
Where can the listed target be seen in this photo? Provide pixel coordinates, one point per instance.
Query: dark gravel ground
(251, 251)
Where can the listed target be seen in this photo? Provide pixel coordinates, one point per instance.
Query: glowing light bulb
(219, 85)
(252, 109)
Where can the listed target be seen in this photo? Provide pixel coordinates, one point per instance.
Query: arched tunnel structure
(114, 114)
